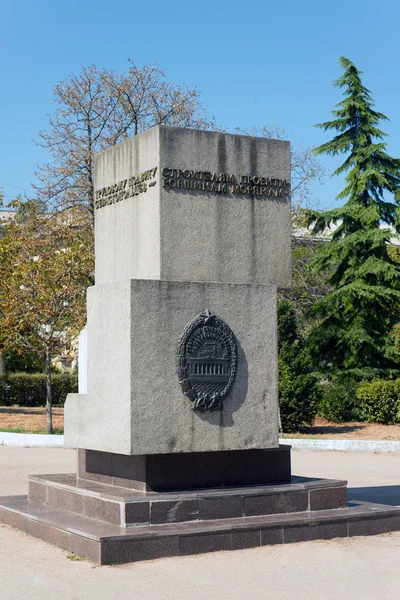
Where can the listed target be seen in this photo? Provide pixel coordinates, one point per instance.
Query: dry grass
(29, 419)
(34, 420)
(323, 429)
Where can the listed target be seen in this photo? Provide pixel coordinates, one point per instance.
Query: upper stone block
(187, 205)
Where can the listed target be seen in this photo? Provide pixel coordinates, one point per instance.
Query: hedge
(30, 389)
(379, 401)
(339, 402)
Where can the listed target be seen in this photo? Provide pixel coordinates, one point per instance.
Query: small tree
(354, 319)
(299, 391)
(46, 265)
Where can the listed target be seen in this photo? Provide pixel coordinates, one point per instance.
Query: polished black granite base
(183, 471)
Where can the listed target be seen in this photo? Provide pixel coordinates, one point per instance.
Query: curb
(31, 440)
(36, 440)
(342, 445)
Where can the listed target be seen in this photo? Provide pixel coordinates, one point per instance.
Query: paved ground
(356, 569)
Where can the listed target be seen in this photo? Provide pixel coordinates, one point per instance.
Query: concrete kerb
(343, 445)
(33, 440)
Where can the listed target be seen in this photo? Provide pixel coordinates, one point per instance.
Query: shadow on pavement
(385, 494)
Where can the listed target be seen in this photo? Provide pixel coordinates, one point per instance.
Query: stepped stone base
(129, 508)
(108, 524)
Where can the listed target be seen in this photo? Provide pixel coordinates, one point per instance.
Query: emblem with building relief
(207, 361)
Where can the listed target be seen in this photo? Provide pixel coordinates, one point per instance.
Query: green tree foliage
(354, 319)
(299, 390)
(46, 264)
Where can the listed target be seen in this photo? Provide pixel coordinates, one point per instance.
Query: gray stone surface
(186, 220)
(191, 235)
(128, 232)
(135, 404)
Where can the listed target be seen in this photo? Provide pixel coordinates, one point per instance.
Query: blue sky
(254, 62)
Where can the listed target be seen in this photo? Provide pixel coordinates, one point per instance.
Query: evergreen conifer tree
(299, 390)
(353, 322)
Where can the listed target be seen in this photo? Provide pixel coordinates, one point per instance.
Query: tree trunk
(49, 395)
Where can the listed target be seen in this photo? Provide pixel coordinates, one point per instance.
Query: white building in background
(304, 233)
(7, 214)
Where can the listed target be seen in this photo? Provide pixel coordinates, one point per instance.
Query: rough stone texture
(176, 234)
(128, 239)
(135, 404)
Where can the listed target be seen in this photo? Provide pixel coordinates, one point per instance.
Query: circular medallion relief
(207, 361)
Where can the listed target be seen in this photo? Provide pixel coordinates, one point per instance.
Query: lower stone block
(168, 472)
(276, 504)
(124, 551)
(314, 531)
(208, 542)
(270, 537)
(374, 526)
(170, 511)
(87, 548)
(327, 498)
(245, 539)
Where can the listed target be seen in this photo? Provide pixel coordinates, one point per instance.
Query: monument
(193, 236)
(176, 421)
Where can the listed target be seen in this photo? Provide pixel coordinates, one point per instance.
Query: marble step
(127, 507)
(105, 543)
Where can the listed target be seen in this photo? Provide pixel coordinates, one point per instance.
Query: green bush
(299, 390)
(339, 402)
(29, 389)
(379, 401)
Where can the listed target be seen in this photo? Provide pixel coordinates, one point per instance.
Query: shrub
(379, 401)
(299, 390)
(30, 389)
(339, 402)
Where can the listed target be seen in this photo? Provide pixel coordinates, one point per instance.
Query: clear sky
(255, 62)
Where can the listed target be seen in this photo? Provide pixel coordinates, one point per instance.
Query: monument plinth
(192, 240)
(176, 422)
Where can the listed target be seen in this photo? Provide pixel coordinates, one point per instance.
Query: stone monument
(176, 422)
(193, 236)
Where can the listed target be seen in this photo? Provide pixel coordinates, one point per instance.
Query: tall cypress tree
(353, 322)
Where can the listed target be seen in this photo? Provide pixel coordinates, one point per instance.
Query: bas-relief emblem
(206, 361)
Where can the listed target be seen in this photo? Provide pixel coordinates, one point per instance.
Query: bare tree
(305, 168)
(98, 109)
